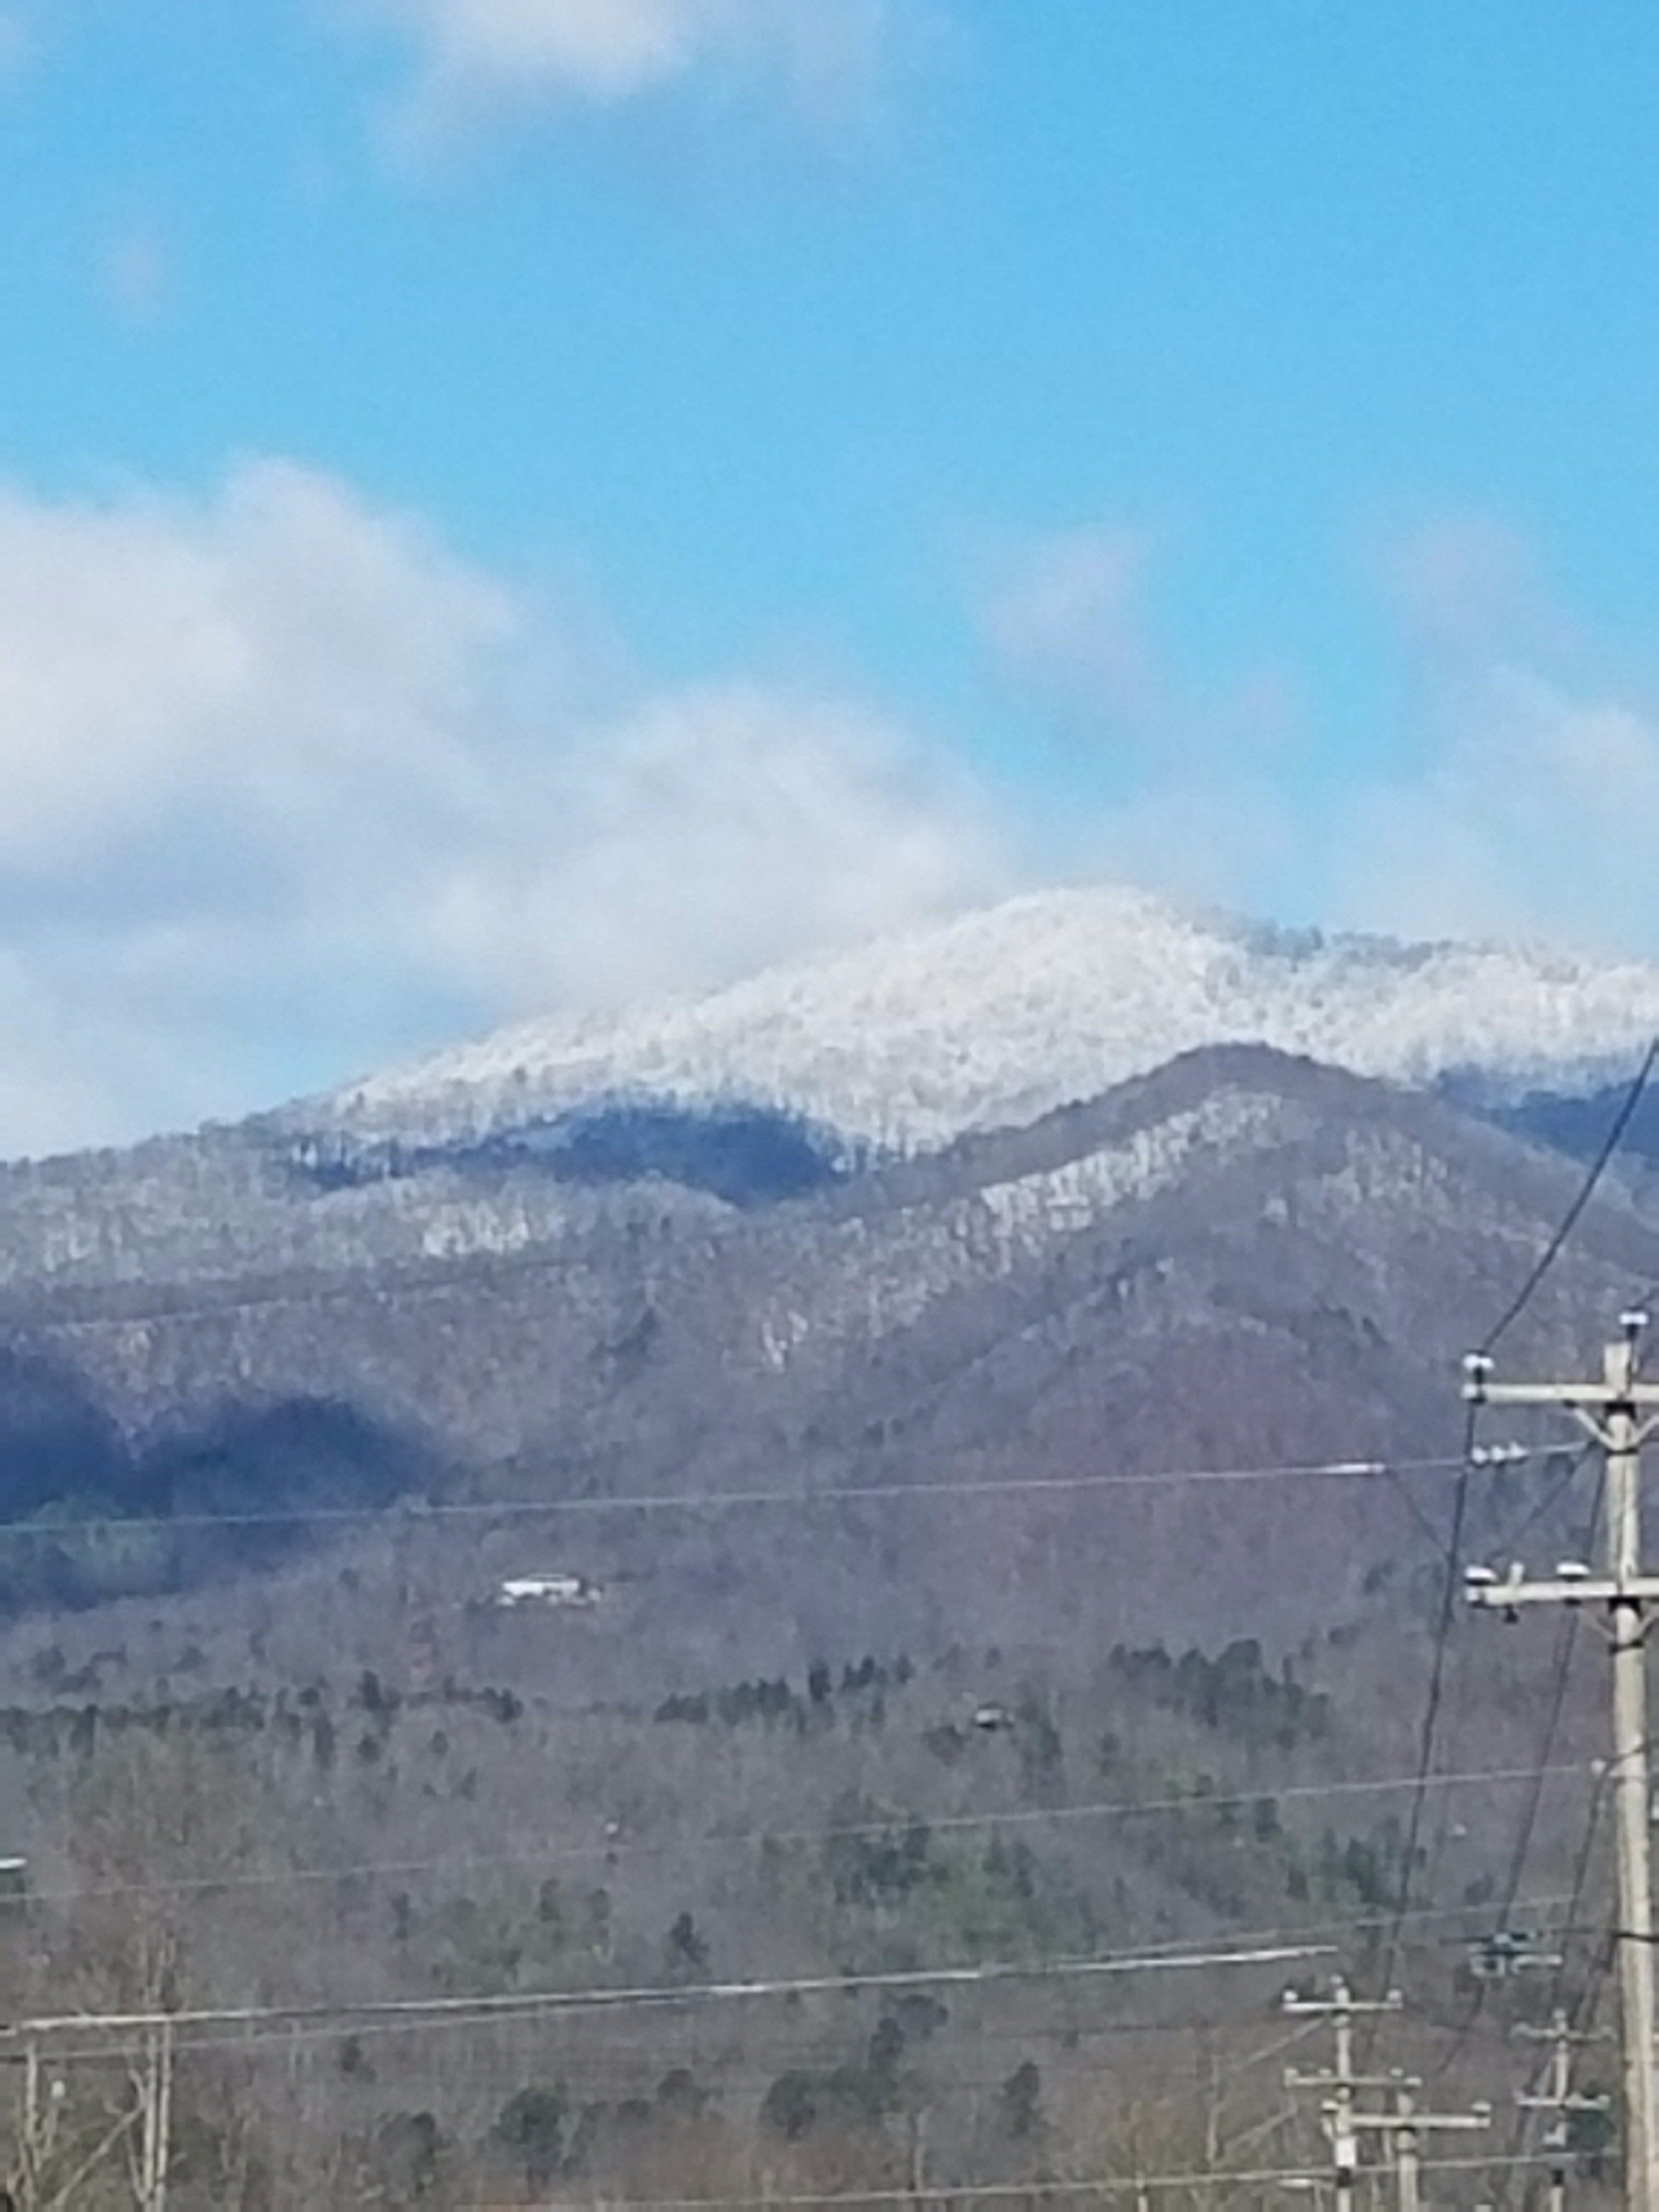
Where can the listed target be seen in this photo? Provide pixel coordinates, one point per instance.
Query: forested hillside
(1024, 1553)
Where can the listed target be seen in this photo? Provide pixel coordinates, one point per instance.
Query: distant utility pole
(1401, 2128)
(1404, 2129)
(1558, 2098)
(1617, 1413)
(43, 2105)
(153, 2089)
(1340, 2083)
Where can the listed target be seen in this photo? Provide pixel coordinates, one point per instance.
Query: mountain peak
(1000, 1015)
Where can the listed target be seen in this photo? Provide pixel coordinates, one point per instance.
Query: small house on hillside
(565, 1591)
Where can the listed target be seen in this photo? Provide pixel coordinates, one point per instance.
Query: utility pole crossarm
(1395, 2123)
(1325, 2079)
(1340, 2005)
(1570, 1395)
(1498, 1594)
(1403, 2130)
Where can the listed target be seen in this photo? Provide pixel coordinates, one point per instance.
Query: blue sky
(511, 505)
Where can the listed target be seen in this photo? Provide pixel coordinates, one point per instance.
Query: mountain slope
(992, 1020)
(1241, 1258)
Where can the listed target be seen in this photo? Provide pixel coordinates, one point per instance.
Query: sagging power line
(601, 1999)
(1196, 1804)
(415, 1513)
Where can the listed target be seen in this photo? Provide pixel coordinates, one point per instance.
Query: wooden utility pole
(1558, 2098)
(1618, 1414)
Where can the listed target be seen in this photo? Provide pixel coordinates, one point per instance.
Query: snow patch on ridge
(877, 1276)
(1059, 1201)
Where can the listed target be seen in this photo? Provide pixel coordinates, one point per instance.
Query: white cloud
(288, 788)
(285, 786)
(1188, 782)
(1526, 759)
(1520, 765)
(1218, 839)
(606, 49)
(1066, 608)
(709, 831)
(473, 60)
(229, 655)
(1526, 820)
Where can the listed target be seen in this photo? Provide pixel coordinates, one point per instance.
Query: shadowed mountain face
(96, 1515)
(746, 1155)
(1241, 1259)
(1578, 1126)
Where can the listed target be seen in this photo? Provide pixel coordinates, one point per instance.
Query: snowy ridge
(995, 1018)
(877, 1277)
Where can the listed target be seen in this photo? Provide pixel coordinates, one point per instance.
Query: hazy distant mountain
(993, 1020)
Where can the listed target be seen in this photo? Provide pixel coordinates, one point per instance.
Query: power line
(1569, 1924)
(511, 2007)
(323, 2023)
(1544, 1506)
(1575, 1896)
(993, 2191)
(539, 2002)
(1612, 1408)
(336, 2026)
(631, 2060)
(1506, 1320)
(1494, 1455)
(1425, 1527)
(420, 2015)
(943, 1824)
(1431, 1706)
(413, 1514)
(1565, 1645)
(1570, 1219)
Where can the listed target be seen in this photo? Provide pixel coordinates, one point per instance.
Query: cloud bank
(1504, 803)
(288, 789)
(285, 786)
(1066, 610)
(472, 61)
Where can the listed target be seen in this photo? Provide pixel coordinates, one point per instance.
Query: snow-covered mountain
(993, 1020)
